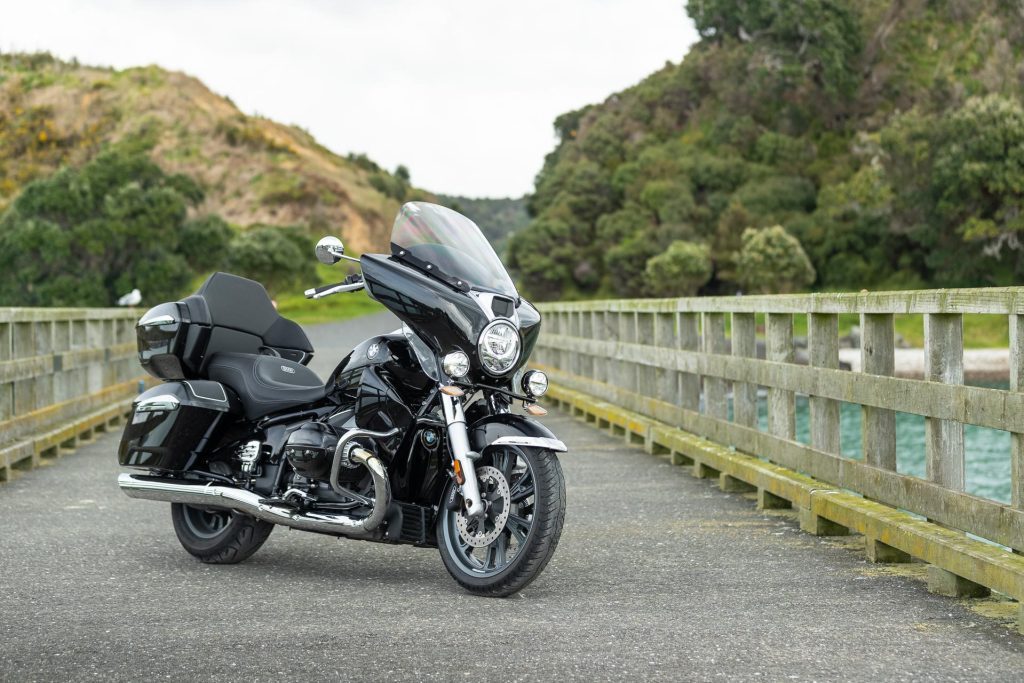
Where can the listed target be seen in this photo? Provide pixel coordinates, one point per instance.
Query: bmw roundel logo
(373, 350)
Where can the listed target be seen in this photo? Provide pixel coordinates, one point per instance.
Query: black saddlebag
(171, 424)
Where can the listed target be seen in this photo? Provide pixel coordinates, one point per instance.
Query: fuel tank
(393, 360)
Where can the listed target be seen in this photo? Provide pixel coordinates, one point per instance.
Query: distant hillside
(252, 170)
(885, 138)
(497, 218)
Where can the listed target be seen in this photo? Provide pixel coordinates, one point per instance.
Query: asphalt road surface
(658, 576)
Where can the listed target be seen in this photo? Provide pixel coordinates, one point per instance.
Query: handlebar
(352, 283)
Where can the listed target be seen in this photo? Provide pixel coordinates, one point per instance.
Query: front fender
(512, 430)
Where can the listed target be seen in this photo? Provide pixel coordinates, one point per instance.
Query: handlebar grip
(311, 293)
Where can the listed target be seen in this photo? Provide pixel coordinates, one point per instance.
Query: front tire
(534, 492)
(218, 536)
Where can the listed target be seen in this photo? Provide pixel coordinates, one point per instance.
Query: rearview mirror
(329, 250)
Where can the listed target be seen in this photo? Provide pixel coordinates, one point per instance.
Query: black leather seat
(266, 384)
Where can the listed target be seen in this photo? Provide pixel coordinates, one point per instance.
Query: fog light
(456, 364)
(535, 383)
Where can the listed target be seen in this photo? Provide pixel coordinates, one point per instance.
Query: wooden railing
(63, 373)
(672, 360)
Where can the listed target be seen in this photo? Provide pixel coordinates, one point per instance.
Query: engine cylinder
(310, 450)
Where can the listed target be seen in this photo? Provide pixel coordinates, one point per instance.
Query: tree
(84, 236)
(680, 270)
(772, 261)
(278, 258)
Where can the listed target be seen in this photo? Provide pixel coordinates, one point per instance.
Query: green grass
(330, 309)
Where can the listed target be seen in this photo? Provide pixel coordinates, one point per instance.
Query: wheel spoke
(519, 527)
(520, 493)
(500, 545)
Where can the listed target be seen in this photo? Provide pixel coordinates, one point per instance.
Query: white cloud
(463, 92)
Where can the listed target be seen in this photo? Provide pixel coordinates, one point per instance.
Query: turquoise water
(987, 451)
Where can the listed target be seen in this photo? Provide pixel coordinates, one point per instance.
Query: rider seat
(266, 384)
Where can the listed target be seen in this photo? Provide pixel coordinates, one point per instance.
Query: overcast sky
(463, 92)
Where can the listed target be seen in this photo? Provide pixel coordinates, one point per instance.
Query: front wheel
(218, 536)
(524, 494)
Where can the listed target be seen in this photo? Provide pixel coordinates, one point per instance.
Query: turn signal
(460, 478)
(534, 409)
(452, 390)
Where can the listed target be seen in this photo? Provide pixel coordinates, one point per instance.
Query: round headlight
(499, 347)
(535, 383)
(456, 364)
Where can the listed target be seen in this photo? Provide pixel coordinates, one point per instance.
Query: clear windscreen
(452, 245)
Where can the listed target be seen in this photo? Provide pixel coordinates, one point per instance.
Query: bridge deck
(658, 575)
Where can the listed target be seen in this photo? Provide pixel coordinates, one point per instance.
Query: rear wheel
(218, 536)
(497, 555)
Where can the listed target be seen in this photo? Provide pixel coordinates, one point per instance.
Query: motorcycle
(413, 438)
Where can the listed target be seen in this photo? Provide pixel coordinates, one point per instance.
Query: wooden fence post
(823, 343)
(744, 343)
(689, 340)
(781, 403)
(877, 357)
(715, 398)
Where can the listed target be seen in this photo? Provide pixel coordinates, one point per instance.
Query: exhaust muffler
(233, 498)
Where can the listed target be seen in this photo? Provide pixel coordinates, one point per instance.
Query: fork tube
(458, 439)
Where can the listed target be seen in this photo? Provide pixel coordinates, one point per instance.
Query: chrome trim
(157, 403)
(458, 439)
(519, 346)
(313, 294)
(485, 301)
(233, 498)
(363, 457)
(159, 320)
(544, 442)
(209, 398)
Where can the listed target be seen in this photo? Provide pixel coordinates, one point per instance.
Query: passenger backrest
(242, 319)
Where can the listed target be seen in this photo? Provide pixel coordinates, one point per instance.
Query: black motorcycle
(413, 438)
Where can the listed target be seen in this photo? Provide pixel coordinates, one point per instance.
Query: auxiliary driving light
(456, 364)
(535, 383)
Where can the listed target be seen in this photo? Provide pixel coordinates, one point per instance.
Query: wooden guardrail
(64, 372)
(671, 361)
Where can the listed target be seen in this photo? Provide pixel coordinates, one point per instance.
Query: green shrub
(681, 270)
(772, 261)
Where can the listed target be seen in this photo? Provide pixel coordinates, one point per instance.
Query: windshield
(452, 245)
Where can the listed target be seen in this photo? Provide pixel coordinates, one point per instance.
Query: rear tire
(534, 524)
(218, 536)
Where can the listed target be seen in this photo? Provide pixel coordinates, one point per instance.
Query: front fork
(458, 439)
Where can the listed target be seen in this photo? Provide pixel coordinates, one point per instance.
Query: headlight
(499, 347)
(455, 364)
(535, 383)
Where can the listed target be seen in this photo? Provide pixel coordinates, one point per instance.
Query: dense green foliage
(885, 139)
(83, 237)
(772, 260)
(278, 258)
(498, 218)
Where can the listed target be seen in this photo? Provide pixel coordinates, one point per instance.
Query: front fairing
(444, 317)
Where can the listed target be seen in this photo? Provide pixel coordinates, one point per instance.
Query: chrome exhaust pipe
(233, 498)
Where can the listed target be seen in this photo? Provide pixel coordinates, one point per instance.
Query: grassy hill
(252, 170)
(885, 138)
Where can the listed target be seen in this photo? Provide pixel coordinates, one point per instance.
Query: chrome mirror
(329, 250)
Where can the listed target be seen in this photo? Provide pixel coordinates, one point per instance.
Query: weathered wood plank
(944, 362)
(998, 300)
(823, 348)
(744, 343)
(781, 403)
(666, 381)
(715, 393)
(986, 518)
(877, 354)
(689, 340)
(994, 408)
(1017, 385)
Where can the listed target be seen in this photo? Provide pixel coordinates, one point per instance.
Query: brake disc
(497, 498)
